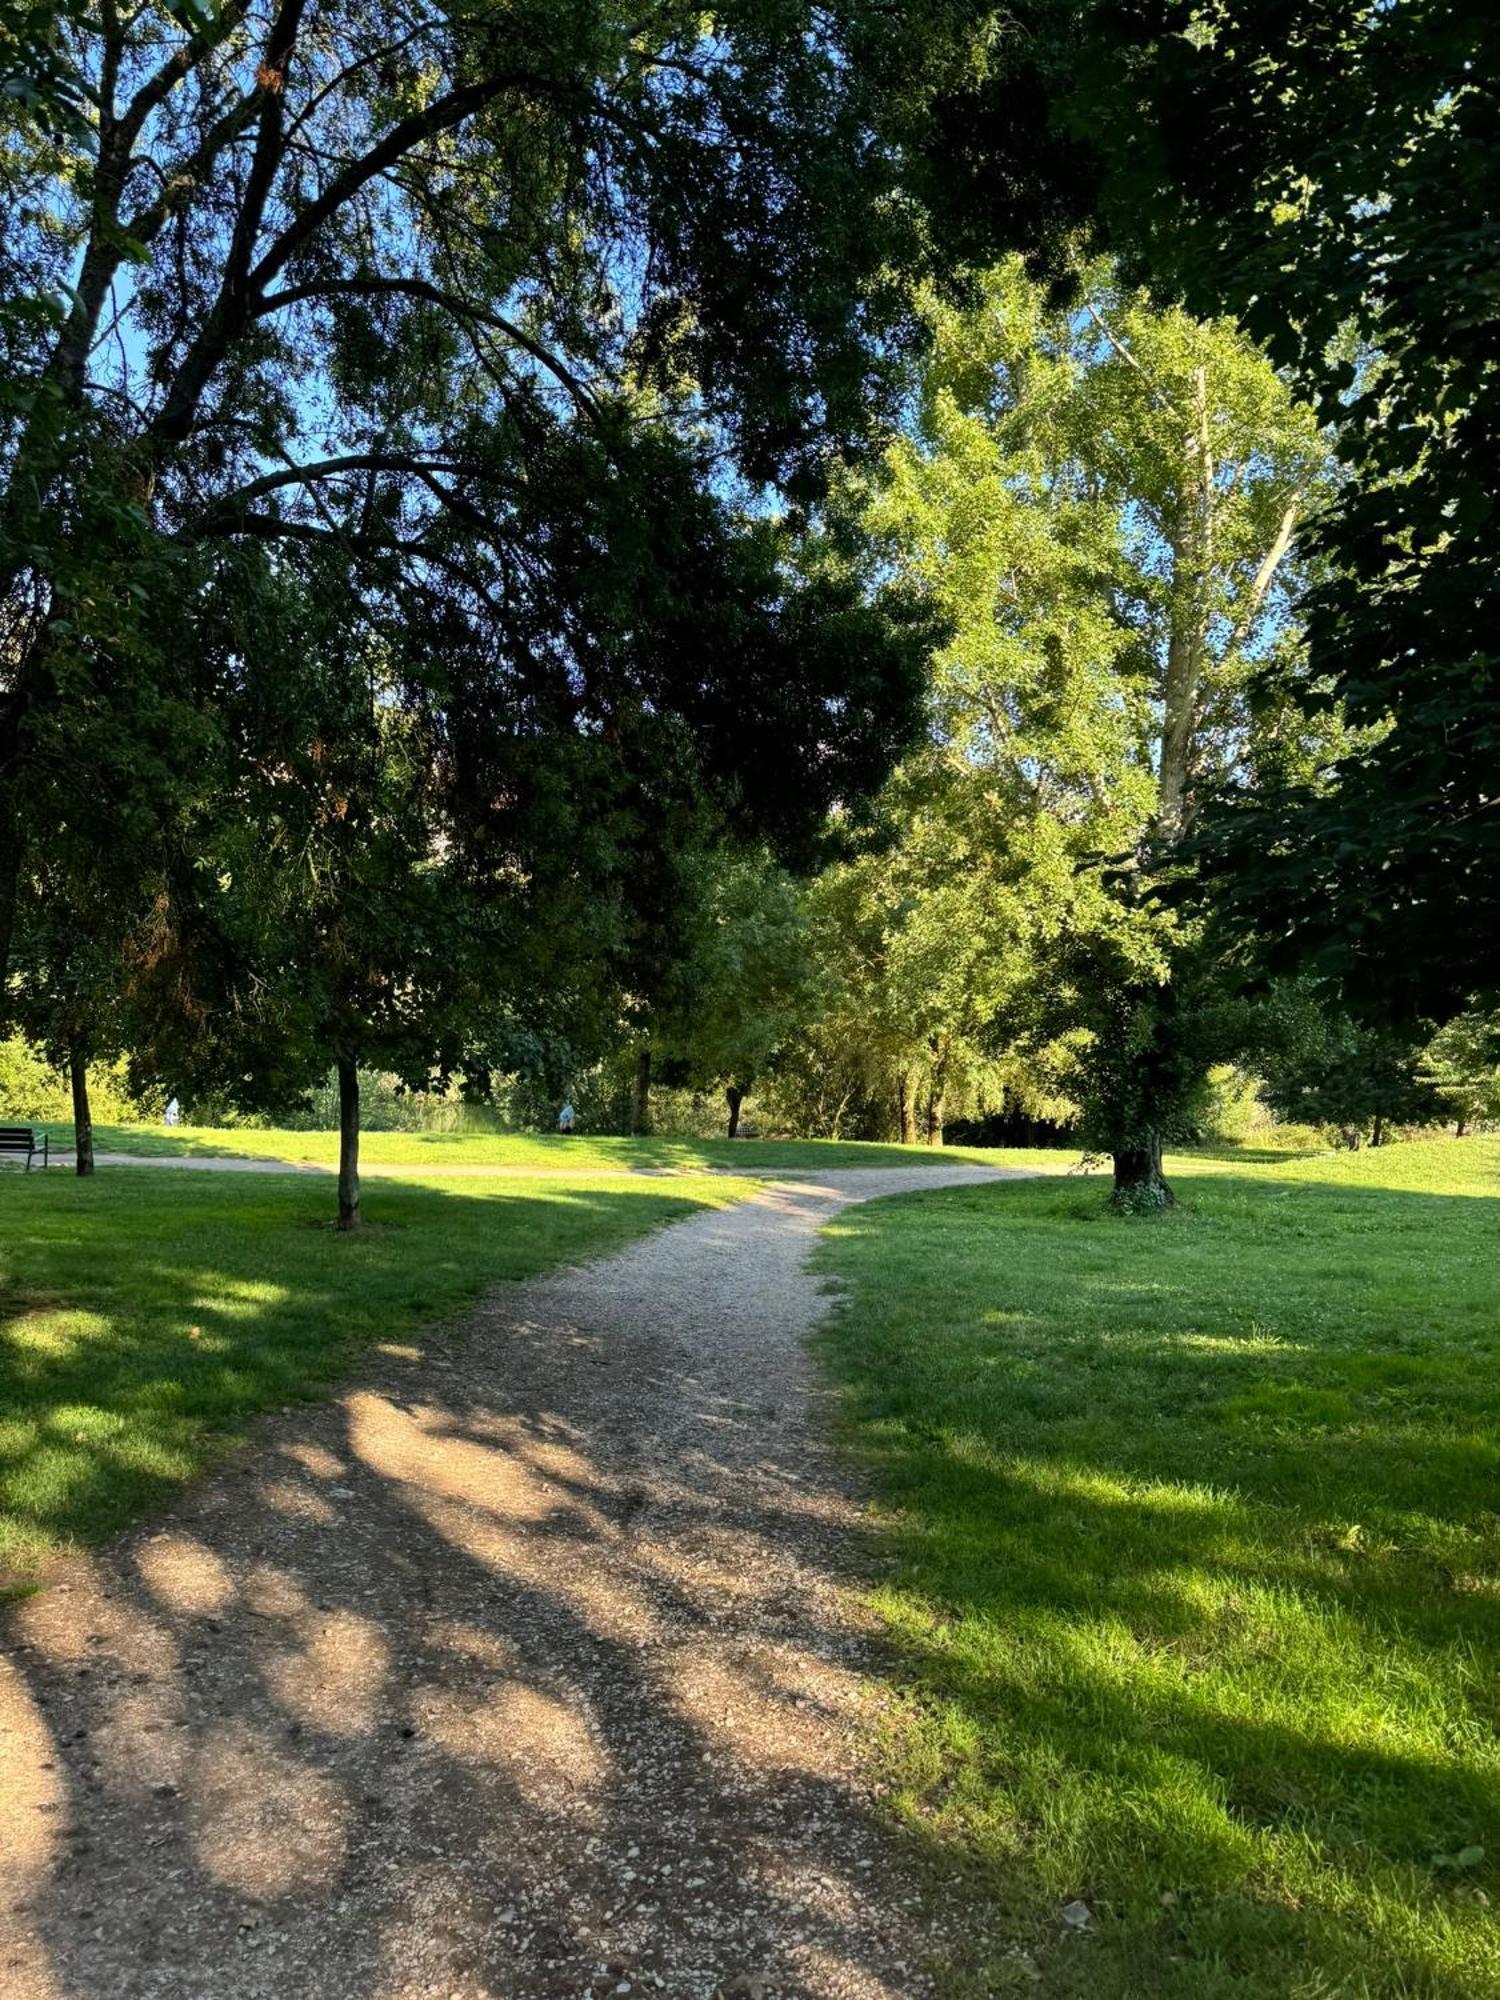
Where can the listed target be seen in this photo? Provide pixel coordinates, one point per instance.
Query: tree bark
(734, 1097)
(906, 1109)
(640, 1095)
(1188, 618)
(83, 1120)
(1377, 1130)
(935, 1118)
(1461, 1128)
(12, 849)
(348, 1143)
(1139, 1181)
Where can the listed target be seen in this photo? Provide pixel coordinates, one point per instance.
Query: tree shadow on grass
(1198, 1586)
(141, 1324)
(515, 1671)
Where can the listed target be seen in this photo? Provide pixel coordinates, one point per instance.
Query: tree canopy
(1105, 502)
(1327, 170)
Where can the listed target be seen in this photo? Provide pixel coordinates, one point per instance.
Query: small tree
(1462, 1063)
(746, 980)
(1323, 1067)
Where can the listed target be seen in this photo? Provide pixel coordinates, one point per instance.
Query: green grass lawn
(145, 1316)
(1196, 1527)
(539, 1150)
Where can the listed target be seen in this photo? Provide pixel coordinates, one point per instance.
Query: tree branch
(182, 61)
(177, 185)
(1275, 555)
(271, 528)
(225, 509)
(440, 116)
(421, 288)
(235, 302)
(1158, 396)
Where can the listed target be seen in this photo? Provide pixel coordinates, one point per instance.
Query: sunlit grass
(144, 1317)
(1198, 1582)
(543, 1151)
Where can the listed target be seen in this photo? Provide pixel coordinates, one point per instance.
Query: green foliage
(1462, 1063)
(381, 611)
(1194, 1543)
(33, 1092)
(1103, 504)
(1328, 170)
(1320, 1066)
(744, 977)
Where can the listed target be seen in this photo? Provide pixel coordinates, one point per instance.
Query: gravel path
(527, 1668)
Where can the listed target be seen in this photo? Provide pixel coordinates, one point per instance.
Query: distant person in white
(565, 1120)
(173, 1113)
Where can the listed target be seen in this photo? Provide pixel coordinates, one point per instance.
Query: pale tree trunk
(640, 1095)
(734, 1097)
(83, 1121)
(348, 1075)
(906, 1109)
(1187, 634)
(936, 1091)
(1138, 1180)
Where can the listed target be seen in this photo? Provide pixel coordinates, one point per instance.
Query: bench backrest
(17, 1139)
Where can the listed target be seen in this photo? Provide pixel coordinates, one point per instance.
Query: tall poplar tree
(1105, 504)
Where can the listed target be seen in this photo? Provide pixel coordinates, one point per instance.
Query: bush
(384, 1106)
(33, 1093)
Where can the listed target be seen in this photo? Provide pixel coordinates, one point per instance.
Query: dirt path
(524, 1669)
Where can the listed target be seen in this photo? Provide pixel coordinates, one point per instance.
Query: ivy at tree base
(1140, 1186)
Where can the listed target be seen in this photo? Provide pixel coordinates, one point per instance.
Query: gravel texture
(528, 1667)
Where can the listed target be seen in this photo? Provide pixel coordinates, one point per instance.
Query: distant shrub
(384, 1106)
(33, 1093)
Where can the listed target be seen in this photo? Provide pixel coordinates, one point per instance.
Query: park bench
(21, 1139)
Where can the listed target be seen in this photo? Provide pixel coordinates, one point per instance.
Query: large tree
(368, 277)
(1105, 503)
(424, 843)
(1328, 170)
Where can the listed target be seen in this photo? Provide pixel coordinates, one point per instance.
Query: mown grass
(1196, 1525)
(144, 1317)
(537, 1151)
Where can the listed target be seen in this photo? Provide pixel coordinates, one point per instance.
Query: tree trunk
(906, 1109)
(935, 1118)
(1188, 615)
(640, 1095)
(734, 1096)
(1461, 1128)
(1377, 1130)
(348, 1143)
(83, 1120)
(12, 851)
(1139, 1182)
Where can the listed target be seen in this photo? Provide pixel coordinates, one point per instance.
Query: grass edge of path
(1043, 1569)
(147, 1320)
